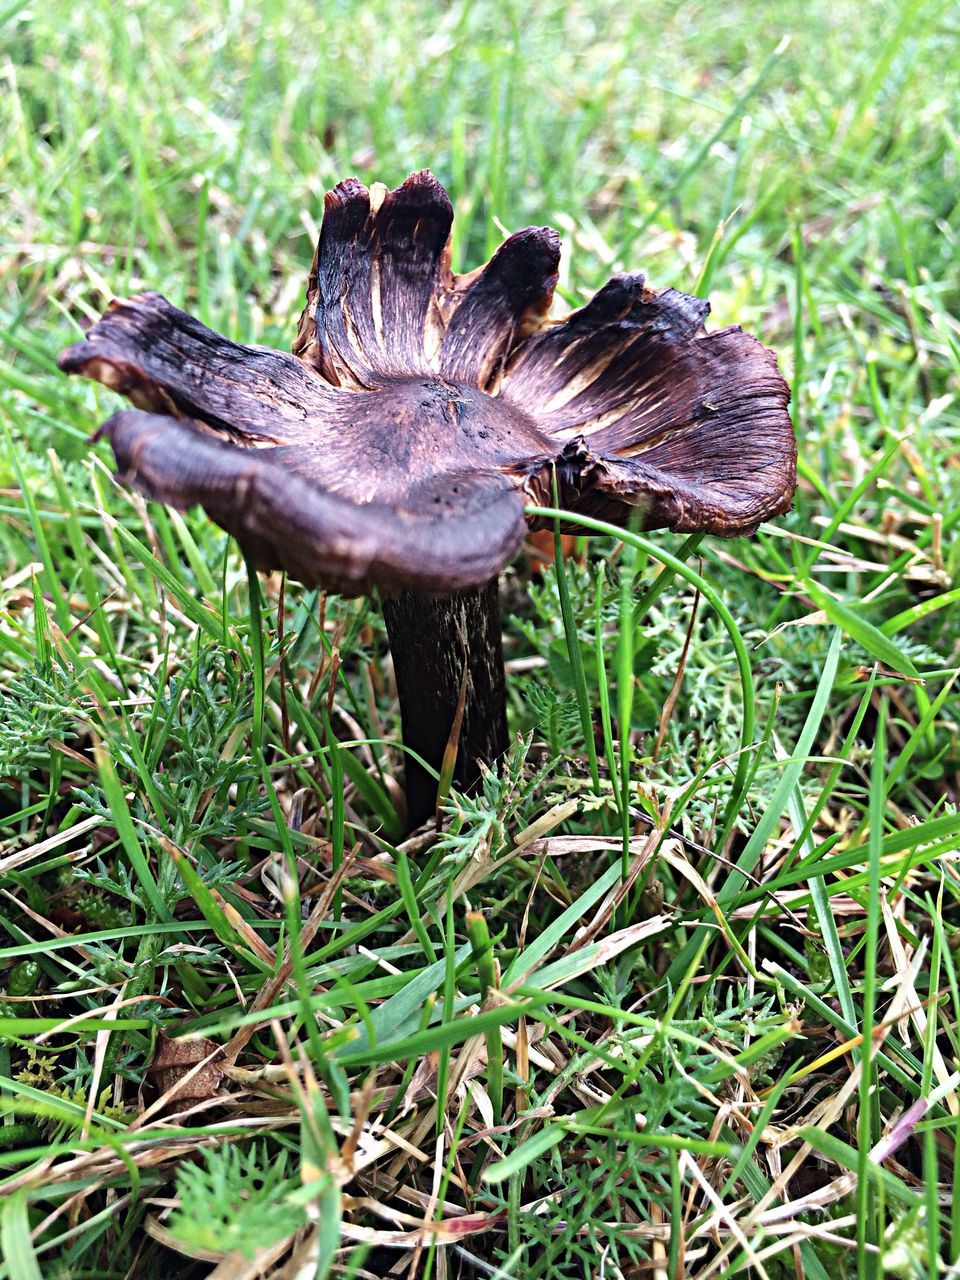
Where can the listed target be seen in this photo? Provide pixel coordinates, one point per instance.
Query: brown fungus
(420, 411)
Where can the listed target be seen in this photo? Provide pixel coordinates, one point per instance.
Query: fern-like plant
(235, 1199)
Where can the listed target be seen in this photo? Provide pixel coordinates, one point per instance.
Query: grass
(687, 1011)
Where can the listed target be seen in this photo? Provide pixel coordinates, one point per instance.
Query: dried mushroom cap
(421, 410)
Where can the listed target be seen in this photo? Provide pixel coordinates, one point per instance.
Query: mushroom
(420, 411)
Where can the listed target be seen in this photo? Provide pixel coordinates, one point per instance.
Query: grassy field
(246, 1029)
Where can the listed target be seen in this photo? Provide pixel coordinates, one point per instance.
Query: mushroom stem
(434, 640)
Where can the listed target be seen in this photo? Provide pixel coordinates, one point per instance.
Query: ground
(249, 1029)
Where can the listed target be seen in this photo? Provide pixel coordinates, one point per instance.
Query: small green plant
(606, 1189)
(38, 706)
(236, 1199)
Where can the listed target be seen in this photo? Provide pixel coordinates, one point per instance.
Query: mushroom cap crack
(420, 410)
